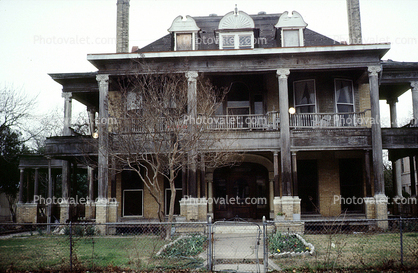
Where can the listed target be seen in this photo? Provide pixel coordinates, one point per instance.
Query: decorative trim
(373, 70)
(282, 73)
(236, 20)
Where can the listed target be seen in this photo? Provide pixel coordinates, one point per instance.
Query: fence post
(210, 244)
(71, 248)
(265, 249)
(401, 238)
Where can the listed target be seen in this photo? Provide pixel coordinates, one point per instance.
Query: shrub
(186, 247)
(280, 243)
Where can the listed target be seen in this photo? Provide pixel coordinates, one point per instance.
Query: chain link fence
(234, 245)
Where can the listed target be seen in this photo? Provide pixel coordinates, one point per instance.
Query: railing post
(265, 249)
(71, 248)
(401, 238)
(210, 246)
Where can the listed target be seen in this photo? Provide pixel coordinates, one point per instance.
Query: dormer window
(184, 29)
(291, 29)
(236, 31)
(240, 40)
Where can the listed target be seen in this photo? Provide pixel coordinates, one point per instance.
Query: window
(291, 28)
(133, 194)
(291, 38)
(133, 101)
(184, 41)
(236, 40)
(304, 96)
(344, 96)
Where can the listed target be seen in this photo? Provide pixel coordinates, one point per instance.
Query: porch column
(379, 186)
(295, 173)
(183, 180)
(412, 175)
(66, 165)
(90, 177)
(67, 113)
(414, 90)
(192, 112)
(286, 164)
(22, 177)
(36, 184)
(276, 174)
(103, 153)
(27, 187)
(209, 179)
(64, 205)
(368, 174)
(92, 119)
(396, 165)
(49, 206)
(202, 176)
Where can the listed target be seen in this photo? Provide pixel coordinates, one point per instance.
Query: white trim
(294, 94)
(236, 38)
(254, 51)
(123, 211)
(185, 32)
(301, 38)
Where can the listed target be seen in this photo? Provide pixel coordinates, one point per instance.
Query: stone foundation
(64, 212)
(289, 205)
(382, 210)
(377, 208)
(194, 209)
(106, 213)
(26, 213)
(90, 210)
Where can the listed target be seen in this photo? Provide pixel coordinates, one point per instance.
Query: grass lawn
(52, 252)
(355, 251)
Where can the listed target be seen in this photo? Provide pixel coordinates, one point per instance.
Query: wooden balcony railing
(268, 121)
(330, 120)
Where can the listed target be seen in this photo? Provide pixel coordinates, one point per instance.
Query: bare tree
(160, 130)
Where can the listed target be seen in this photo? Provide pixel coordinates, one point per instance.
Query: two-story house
(319, 153)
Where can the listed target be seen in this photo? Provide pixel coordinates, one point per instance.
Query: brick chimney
(354, 21)
(122, 26)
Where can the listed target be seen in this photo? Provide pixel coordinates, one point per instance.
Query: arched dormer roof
(293, 21)
(184, 24)
(236, 20)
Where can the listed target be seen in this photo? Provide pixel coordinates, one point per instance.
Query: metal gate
(236, 245)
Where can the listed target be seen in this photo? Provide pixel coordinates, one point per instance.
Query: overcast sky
(38, 37)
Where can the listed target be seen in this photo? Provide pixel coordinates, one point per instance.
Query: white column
(396, 165)
(192, 112)
(103, 153)
(286, 162)
(379, 187)
(414, 90)
(67, 113)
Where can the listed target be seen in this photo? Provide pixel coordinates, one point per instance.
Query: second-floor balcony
(252, 122)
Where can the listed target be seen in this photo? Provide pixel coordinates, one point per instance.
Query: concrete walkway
(239, 248)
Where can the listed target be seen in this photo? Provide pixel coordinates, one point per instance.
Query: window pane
(305, 109)
(244, 41)
(344, 108)
(291, 38)
(344, 92)
(228, 41)
(304, 92)
(184, 41)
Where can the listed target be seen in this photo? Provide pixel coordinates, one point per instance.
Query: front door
(241, 191)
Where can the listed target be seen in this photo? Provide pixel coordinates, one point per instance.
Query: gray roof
(264, 29)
